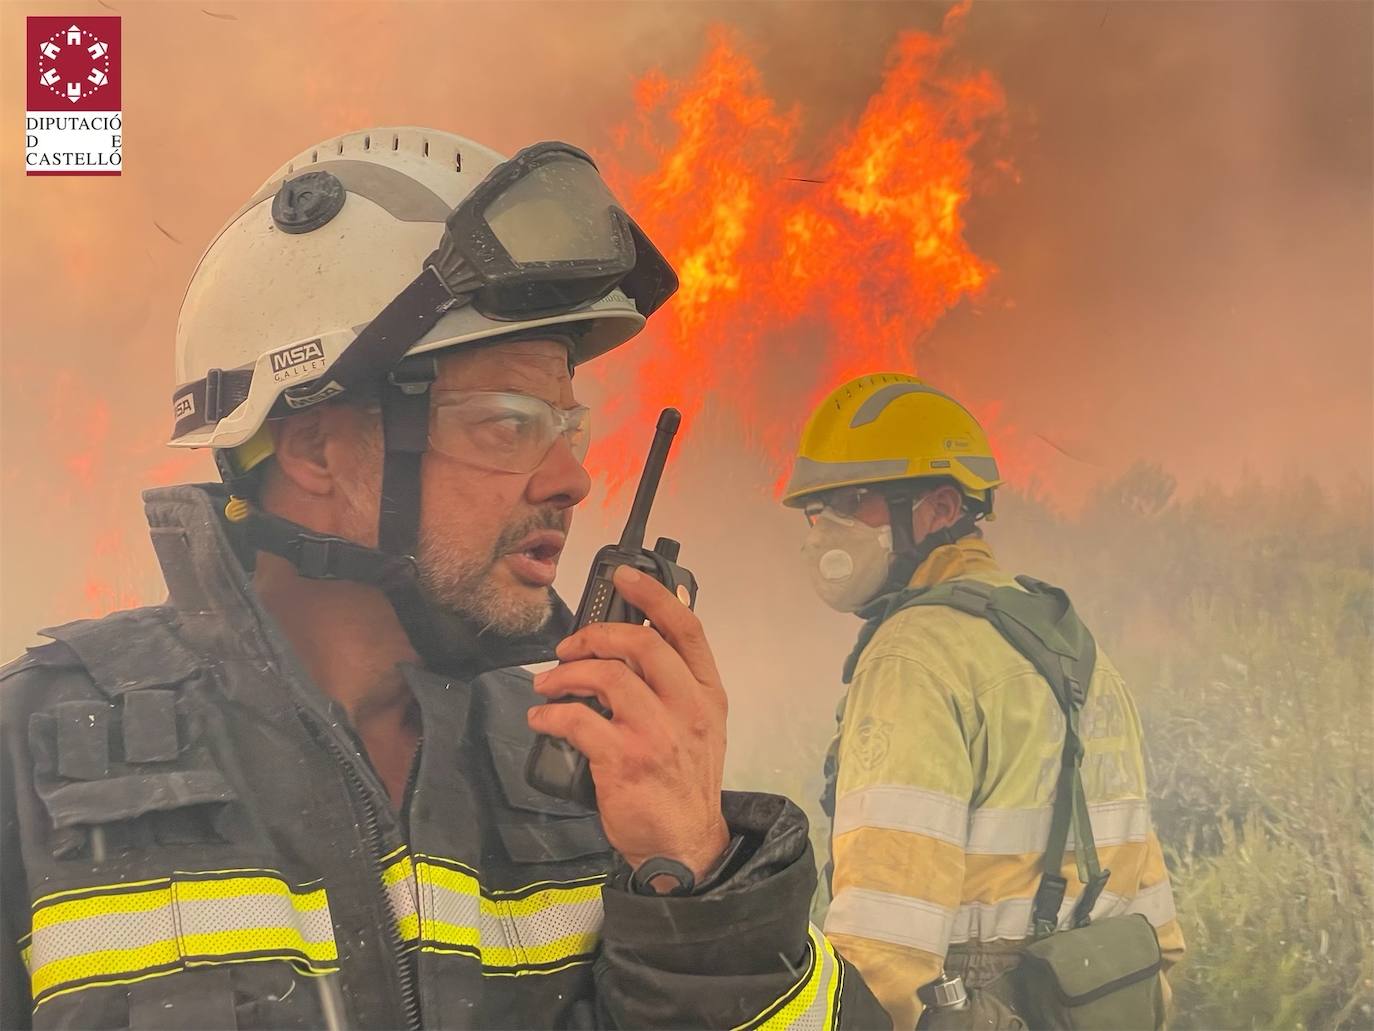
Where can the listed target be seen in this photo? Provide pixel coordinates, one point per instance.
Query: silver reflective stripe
(552, 921)
(404, 198)
(899, 808)
(1011, 919)
(122, 933)
(988, 921)
(887, 917)
(252, 913)
(1009, 832)
(808, 474)
(981, 466)
(812, 1004)
(540, 928)
(874, 404)
(73, 938)
(1156, 903)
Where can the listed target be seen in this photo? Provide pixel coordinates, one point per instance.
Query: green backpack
(1102, 976)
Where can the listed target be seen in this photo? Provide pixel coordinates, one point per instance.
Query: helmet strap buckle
(414, 375)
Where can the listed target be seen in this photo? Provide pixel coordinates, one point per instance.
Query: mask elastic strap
(907, 554)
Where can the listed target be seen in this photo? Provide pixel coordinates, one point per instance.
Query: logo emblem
(298, 361)
(73, 123)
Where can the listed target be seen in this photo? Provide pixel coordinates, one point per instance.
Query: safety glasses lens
(505, 432)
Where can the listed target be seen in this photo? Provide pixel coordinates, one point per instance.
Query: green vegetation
(1243, 620)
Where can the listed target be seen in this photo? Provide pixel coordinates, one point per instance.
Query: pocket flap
(553, 840)
(122, 798)
(509, 758)
(1089, 963)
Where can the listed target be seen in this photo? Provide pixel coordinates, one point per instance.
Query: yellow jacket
(948, 751)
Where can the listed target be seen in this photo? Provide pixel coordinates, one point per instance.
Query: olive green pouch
(1101, 977)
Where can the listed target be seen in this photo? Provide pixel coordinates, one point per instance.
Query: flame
(793, 278)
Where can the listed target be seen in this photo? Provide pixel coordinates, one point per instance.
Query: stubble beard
(468, 586)
(452, 579)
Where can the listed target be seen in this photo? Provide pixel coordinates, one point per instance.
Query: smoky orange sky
(1176, 199)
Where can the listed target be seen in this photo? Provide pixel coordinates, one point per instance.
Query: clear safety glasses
(843, 501)
(505, 432)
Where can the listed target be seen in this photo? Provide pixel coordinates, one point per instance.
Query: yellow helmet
(888, 427)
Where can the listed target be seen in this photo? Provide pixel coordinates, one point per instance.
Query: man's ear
(298, 444)
(942, 507)
(948, 504)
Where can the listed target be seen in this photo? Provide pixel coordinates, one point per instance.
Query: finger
(641, 648)
(677, 623)
(611, 683)
(586, 730)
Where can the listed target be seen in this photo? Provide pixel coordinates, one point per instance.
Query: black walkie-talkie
(555, 767)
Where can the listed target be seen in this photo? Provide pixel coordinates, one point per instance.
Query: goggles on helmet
(542, 234)
(505, 432)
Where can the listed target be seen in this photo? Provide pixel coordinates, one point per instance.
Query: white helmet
(328, 241)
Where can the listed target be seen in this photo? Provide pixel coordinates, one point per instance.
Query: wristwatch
(640, 881)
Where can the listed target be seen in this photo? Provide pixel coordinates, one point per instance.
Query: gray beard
(468, 590)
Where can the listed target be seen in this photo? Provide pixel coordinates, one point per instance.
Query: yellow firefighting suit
(942, 779)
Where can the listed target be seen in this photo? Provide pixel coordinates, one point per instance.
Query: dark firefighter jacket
(192, 838)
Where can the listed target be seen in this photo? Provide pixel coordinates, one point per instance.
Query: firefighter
(294, 795)
(943, 777)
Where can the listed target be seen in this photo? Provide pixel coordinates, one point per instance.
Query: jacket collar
(968, 556)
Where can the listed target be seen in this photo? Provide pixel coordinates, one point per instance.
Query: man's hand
(658, 762)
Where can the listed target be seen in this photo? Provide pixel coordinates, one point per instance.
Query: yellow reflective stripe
(102, 905)
(535, 929)
(398, 871)
(194, 918)
(398, 881)
(567, 947)
(103, 963)
(540, 901)
(217, 944)
(217, 890)
(812, 1004)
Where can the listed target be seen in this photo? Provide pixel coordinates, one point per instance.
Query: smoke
(1184, 261)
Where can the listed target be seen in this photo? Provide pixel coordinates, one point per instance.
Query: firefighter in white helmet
(981, 725)
(294, 795)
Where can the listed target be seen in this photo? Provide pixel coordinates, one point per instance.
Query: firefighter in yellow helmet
(953, 747)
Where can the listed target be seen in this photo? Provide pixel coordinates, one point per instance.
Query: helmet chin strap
(446, 642)
(907, 552)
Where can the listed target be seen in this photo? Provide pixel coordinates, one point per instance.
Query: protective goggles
(542, 234)
(505, 432)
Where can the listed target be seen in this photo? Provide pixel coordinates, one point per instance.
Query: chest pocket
(538, 828)
(125, 775)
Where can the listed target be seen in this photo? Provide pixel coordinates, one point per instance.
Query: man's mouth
(534, 560)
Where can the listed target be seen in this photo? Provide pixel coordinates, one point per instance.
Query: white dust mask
(848, 560)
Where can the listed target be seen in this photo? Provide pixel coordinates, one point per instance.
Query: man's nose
(560, 479)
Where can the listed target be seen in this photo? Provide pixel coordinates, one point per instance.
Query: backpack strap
(1040, 623)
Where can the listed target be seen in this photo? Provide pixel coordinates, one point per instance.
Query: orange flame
(792, 283)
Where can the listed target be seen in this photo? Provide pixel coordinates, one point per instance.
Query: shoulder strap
(1040, 623)
(969, 596)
